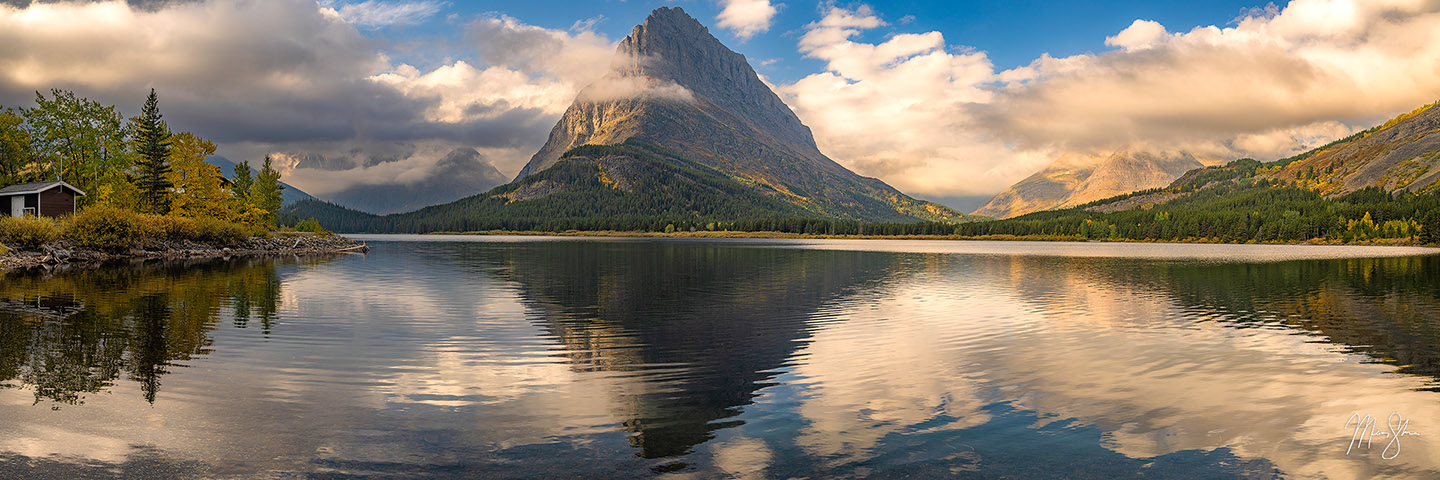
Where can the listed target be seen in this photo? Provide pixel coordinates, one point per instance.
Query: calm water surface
(620, 358)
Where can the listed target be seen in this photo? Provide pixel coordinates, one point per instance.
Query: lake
(541, 357)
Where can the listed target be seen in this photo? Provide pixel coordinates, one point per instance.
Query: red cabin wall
(56, 202)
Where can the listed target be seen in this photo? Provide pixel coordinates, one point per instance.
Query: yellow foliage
(118, 194)
(28, 232)
(199, 188)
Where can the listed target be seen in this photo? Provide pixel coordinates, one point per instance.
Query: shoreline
(60, 254)
(990, 238)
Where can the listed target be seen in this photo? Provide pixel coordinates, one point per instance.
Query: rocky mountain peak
(672, 57)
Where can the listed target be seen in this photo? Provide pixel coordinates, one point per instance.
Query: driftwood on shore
(62, 252)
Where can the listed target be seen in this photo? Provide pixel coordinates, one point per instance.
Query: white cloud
(613, 88)
(747, 18)
(373, 13)
(1140, 34)
(895, 109)
(940, 121)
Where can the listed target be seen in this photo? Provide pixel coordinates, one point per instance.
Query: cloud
(938, 120)
(747, 18)
(613, 88)
(271, 76)
(894, 109)
(373, 13)
(1140, 34)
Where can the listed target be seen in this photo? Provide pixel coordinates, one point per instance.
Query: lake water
(540, 357)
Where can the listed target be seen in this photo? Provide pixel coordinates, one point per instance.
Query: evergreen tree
(1430, 230)
(265, 193)
(243, 182)
(152, 139)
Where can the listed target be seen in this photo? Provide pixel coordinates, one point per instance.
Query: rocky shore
(62, 253)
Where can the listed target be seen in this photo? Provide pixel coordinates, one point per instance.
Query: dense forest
(1222, 204)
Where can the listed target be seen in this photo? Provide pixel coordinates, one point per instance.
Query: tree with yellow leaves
(199, 186)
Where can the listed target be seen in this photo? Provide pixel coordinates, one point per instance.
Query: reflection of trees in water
(702, 328)
(1385, 308)
(76, 333)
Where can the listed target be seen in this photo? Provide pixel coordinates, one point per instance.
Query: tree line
(138, 164)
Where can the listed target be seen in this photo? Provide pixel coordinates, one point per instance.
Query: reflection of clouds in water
(40, 441)
(1130, 361)
(383, 362)
(743, 457)
(897, 361)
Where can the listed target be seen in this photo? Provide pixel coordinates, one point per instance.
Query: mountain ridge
(1077, 179)
(674, 84)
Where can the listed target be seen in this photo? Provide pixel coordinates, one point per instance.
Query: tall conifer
(152, 138)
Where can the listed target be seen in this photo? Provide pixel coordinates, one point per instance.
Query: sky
(947, 101)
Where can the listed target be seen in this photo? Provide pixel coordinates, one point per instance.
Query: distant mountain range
(681, 129)
(460, 173)
(1382, 184)
(1076, 179)
(1398, 155)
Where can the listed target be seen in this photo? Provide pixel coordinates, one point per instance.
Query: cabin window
(31, 211)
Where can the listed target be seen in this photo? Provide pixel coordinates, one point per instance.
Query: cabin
(43, 199)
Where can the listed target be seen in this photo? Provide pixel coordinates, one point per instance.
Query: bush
(214, 230)
(28, 232)
(199, 229)
(310, 225)
(168, 227)
(109, 228)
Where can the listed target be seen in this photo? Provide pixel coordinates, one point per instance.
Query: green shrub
(28, 232)
(310, 225)
(4, 250)
(109, 228)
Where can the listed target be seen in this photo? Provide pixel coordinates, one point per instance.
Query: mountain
(1401, 154)
(593, 187)
(673, 84)
(289, 195)
(1381, 185)
(461, 173)
(1076, 179)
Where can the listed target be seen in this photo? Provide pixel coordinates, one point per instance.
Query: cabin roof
(37, 187)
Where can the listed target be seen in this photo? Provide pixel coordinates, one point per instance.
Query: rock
(674, 85)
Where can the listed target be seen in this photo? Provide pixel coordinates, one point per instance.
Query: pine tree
(242, 184)
(1430, 229)
(152, 138)
(266, 192)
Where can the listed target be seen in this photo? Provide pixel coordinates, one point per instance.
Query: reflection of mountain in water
(706, 326)
(69, 335)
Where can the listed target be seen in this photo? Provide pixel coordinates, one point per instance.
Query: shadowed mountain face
(1075, 179)
(674, 85)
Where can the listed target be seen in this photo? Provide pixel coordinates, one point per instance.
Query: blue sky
(948, 101)
(1012, 33)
